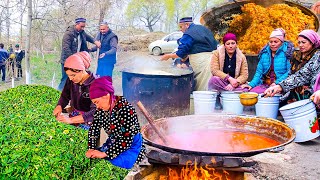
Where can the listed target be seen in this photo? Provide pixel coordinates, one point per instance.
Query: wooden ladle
(150, 120)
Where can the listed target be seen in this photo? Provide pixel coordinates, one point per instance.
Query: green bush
(35, 146)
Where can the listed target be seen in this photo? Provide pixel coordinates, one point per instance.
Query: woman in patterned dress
(308, 46)
(124, 146)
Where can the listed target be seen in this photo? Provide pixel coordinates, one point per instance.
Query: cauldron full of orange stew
(219, 135)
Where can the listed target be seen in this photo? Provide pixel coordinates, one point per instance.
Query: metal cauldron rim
(234, 154)
(188, 72)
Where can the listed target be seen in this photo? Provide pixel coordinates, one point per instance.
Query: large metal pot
(213, 18)
(164, 93)
(265, 127)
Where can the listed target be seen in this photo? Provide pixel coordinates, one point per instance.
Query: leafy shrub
(35, 146)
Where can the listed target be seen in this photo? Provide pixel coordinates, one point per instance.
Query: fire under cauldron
(164, 91)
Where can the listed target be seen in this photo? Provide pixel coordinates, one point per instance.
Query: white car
(167, 44)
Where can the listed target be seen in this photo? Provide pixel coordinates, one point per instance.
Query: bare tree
(29, 25)
(147, 11)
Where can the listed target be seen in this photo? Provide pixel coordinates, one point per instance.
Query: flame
(193, 172)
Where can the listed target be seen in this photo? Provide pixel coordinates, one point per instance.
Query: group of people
(90, 96)
(281, 68)
(75, 40)
(95, 106)
(13, 58)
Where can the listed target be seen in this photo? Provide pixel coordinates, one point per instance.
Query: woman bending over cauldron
(274, 63)
(76, 91)
(124, 146)
(309, 43)
(307, 73)
(228, 66)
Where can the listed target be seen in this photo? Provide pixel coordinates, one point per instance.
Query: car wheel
(156, 51)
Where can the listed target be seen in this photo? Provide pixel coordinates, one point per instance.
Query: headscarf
(278, 33)
(101, 87)
(312, 36)
(229, 36)
(78, 61)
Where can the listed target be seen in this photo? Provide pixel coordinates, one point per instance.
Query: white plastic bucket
(231, 102)
(300, 116)
(204, 101)
(268, 106)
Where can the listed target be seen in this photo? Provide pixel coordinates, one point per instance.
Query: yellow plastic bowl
(248, 98)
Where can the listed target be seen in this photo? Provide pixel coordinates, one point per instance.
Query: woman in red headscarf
(124, 146)
(76, 92)
(228, 66)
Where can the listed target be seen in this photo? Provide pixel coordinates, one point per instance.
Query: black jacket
(70, 42)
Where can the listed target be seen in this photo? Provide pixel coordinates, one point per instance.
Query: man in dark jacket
(3, 57)
(74, 40)
(19, 56)
(197, 43)
(108, 51)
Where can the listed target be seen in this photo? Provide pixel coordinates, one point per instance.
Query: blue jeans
(3, 69)
(63, 78)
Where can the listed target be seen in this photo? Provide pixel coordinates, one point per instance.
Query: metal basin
(200, 144)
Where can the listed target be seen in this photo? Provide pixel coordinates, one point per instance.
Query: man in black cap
(108, 51)
(74, 40)
(197, 43)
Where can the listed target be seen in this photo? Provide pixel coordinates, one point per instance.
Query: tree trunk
(150, 27)
(27, 56)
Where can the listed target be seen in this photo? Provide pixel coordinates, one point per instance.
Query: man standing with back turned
(198, 43)
(74, 40)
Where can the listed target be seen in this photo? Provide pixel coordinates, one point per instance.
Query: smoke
(152, 65)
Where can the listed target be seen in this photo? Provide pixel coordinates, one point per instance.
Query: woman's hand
(57, 111)
(316, 97)
(272, 90)
(64, 119)
(229, 87)
(246, 86)
(233, 82)
(91, 153)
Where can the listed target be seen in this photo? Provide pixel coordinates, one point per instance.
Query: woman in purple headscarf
(124, 146)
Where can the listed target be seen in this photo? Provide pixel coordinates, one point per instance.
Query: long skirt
(260, 89)
(216, 83)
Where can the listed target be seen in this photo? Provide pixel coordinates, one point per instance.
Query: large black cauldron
(163, 94)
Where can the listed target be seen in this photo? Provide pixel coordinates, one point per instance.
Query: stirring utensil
(151, 122)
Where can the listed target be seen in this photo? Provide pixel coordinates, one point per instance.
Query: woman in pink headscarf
(124, 146)
(76, 92)
(308, 41)
(308, 71)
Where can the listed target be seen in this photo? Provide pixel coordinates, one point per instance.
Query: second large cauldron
(219, 135)
(163, 93)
